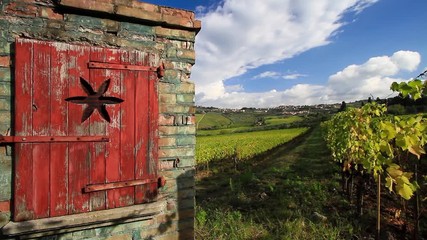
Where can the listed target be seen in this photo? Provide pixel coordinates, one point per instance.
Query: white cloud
(234, 88)
(242, 35)
(267, 74)
(355, 82)
(277, 75)
(293, 76)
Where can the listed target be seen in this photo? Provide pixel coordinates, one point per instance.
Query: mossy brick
(5, 47)
(173, 108)
(182, 184)
(186, 140)
(186, 54)
(175, 34)
(166, 217)
(177, 65)
(179, 173)
(84, 234)
(5, 117)
(185, 98)
(94, 5)
(176, 152)
(140, 45)
(172, 53)
(167, 98)
(55, 24)
(187, 162)
(186, 204)
(76, 21)
(5, 180)
(4, 24)
(174, 130)
(5, 74)
(165, 87)
(130, 227)
(21, 8)
(173, 76)
(4, 61)
(19, 23)
(138, 13)
(49, 13)
(5, 89)
(5, 104)
(187, 214)
(167, 142)
(137, 28)
(181, 193)
(80, 36)
(166, 120)
(187, 233)
(185, 87)
(149, 233)
(124, 236)
(4, 218)
(180, 44)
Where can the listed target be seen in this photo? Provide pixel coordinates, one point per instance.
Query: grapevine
(368, 140)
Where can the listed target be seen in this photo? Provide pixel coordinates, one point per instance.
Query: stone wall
(117, 24)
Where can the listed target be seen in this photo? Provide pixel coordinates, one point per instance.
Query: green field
(217, 123)
(212, 120)
(241, 145)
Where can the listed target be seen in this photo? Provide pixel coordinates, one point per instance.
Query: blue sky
(253, 53)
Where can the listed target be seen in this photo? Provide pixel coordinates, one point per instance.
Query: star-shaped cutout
(95, 100)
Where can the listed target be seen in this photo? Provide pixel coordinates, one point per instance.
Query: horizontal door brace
(102, 65)
(107, 186)
(51, 139)
(121, 66)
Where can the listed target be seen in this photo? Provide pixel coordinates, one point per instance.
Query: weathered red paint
(51, 139)
(66, 156)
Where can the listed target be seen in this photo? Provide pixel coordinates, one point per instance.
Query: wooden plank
(52, 139)
(41, 127)
(23, 183)
(59, 130)
(113, 129)
(127, 133)
(123, 66)
(141, 125)
(97, 127)
(78, 153)
(121, 184)
(152, 164)
(78, 222)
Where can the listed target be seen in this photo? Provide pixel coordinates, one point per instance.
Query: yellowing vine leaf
(394, 171)
(416, 150)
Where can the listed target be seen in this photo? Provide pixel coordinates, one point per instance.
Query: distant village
(284, 110)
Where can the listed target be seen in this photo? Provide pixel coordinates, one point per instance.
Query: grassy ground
(291, 193)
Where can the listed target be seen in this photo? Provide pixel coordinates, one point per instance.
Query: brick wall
(118, 24)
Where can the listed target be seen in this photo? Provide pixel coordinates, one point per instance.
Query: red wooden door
(70, 100)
